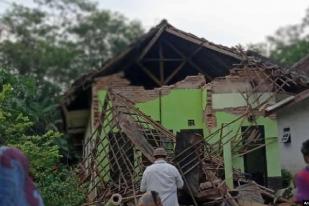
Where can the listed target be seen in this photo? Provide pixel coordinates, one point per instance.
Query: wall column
(228, 164)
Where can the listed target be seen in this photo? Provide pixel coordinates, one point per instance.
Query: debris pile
(118, 139)
(120, 148)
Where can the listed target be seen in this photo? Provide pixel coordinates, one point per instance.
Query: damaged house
(203, 102)
(292, 118)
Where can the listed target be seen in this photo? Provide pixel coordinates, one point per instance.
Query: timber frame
(121, 137)
(163, 56)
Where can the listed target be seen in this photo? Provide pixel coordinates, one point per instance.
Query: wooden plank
(162, 59)
(249, 203)
(199, 69)
(188, 59)
(169, 44)
(197, 50)
(205, 44)
(151, 43)
(249, 151)
(161, 64)
(174, 72)
(152, 76)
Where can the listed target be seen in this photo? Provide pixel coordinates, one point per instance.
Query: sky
(226, 22)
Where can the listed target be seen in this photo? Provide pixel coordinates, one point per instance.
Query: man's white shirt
(163, 178)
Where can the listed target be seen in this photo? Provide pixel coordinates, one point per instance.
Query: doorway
(188, 146)
(255, 163)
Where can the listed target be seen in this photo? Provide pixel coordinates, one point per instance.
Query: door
(255, 163)
(187, 152)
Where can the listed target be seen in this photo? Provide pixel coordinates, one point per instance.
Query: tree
(288, 45)
(58, 40)
(102, 34)
(34, 99)
(42, 49)
(57, 182)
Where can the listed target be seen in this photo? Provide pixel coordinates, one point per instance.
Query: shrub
(57, 182)
(286, 178)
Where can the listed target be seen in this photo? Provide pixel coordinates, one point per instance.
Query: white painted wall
(232, 100)
(297, 119)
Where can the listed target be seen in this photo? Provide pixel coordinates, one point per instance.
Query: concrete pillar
(228, 164)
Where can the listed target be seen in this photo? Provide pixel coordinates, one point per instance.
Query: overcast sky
(227, 22)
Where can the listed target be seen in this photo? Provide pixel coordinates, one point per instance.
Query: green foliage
(60, 187)
(288, 45)
(26, 98)
(42, 49)
(10, 123)
(286, 178)
(290, 54)
(57, 183)
(60, 39)
(102, 34)
(42, 150)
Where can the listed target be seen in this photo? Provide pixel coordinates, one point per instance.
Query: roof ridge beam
(152, 42)
(206, 44)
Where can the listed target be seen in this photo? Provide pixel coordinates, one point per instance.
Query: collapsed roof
(166, 55)
(287, 102)
(163, 56)
(122, 144)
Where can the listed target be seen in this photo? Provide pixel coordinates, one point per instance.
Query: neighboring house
(293, 127)
(188, 85)
(292, 116)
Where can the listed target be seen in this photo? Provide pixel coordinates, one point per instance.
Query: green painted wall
(101, 96)
(103, 147)
(151, 108)
(181, 105)
(228, 164)
(272, 146)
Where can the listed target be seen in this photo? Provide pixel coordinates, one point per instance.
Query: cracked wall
(209, 106)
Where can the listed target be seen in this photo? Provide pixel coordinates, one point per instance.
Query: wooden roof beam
(151, 43)
(162, 59)
(204, 43)
(189, 59)
(161, 64)
(174, 72)
(151, 75)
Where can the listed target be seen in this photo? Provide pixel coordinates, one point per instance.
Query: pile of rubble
(117, 153)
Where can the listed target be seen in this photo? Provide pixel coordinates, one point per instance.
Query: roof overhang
(287, 102)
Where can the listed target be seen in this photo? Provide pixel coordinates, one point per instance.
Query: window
(191, 122)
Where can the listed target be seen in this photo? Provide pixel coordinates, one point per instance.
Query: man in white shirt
(150, 199)
(163, 178)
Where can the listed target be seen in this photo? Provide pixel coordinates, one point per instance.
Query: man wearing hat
(163, 178)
